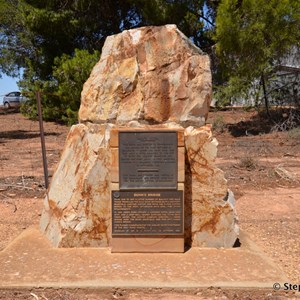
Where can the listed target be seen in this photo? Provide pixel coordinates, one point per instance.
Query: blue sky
(8, 84)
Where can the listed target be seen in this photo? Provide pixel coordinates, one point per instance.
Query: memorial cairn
(137, 173)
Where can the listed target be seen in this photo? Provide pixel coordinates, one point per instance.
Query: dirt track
(267, 199)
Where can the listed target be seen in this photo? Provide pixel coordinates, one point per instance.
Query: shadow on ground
(22, 135)
(261, 123)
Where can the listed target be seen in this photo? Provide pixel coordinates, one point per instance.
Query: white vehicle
(13, 100)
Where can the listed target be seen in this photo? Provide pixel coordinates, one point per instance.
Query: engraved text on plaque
(147, 213)
(148, 160)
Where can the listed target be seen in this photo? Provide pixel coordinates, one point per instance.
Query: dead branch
(285, 174)
(15, 186)
(291, 122)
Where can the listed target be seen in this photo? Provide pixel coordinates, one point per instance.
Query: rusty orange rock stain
(211, 224)
(57, 212)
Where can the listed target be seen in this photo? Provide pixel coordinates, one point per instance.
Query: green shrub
(218, 124)
(60, 96)
(71, 118)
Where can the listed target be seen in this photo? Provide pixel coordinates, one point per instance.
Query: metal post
(38, 99)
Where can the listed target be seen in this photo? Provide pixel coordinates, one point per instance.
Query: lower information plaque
(147, 213)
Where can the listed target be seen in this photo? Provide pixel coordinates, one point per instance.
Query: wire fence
(25, 149)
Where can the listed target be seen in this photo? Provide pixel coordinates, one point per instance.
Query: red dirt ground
(262, 168)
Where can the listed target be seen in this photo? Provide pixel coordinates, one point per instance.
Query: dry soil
(262, 168)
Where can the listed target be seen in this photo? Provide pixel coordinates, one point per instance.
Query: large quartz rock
(77, 208)
(210, 217)
(147, 77)
(154, 74)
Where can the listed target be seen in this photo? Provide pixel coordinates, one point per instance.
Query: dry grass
(218, 124)
(282, 173)
(248, 163)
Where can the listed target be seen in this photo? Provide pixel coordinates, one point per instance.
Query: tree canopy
(252, 37)
(40, 31)
(245, 38)
(36, 35)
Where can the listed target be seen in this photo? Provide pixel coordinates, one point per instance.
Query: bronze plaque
(148, 160)
(156, 212)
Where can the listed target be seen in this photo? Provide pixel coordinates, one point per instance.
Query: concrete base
(170, 244)
(31, 261)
